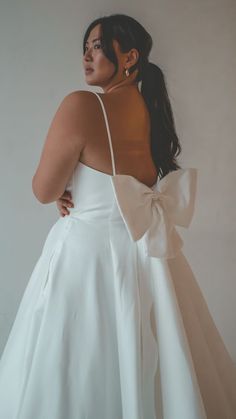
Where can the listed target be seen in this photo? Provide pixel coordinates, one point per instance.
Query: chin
(90, 80)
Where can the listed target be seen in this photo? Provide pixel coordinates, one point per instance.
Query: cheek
(104, 64)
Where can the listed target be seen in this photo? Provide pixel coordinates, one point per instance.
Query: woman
(112, 323)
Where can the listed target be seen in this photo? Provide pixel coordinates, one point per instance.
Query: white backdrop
(41, 62)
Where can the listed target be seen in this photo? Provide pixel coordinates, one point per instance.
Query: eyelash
(96, 45)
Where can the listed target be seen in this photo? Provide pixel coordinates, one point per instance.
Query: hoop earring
(127, 72)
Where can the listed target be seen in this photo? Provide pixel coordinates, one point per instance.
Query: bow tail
(162, 240)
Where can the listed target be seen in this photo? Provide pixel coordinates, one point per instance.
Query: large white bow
(153, 213)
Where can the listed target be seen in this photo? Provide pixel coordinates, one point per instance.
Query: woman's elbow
(43, 193)
(38, 193)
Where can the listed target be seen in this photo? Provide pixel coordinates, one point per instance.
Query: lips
(88, 69)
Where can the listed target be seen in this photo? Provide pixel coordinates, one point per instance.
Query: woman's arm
(61, 150)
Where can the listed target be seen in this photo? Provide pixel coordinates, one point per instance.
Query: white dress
(112, 323)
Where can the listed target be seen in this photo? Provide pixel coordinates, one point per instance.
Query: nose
(87, 53)
(87, 58)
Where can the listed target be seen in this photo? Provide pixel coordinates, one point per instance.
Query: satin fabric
(105, 331)
(154, 212)
(112, 323)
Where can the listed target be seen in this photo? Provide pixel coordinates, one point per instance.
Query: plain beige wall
(41, 56)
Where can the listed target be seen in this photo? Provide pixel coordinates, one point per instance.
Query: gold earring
(127, 72)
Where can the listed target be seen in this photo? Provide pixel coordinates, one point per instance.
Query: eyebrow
(96, 39)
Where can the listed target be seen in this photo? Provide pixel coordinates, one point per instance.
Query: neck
(120, 87)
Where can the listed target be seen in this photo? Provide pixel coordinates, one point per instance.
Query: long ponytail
(165, 145)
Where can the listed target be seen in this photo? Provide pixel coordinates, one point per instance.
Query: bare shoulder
(86, 95)
(83, 101)
(77, 104)
(79, 96)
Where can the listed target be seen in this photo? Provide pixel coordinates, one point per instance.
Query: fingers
(64, 211)
(63, 207)
(66, 195)
(63, 202)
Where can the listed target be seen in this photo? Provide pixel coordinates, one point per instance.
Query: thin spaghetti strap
(109, 134)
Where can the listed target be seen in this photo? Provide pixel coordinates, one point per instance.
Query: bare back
(129, 124)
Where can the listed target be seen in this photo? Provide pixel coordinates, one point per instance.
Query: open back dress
(112, 323)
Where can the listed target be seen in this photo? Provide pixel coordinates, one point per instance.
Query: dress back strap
(109, 134)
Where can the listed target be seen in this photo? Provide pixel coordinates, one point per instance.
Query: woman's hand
(63, 202)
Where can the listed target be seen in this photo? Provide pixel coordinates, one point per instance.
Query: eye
(95, 45)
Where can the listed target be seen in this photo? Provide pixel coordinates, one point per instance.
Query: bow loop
(152, 214)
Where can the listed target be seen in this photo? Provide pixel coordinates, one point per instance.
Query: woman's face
(98, 69)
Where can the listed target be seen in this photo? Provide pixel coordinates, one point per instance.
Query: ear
(133, 56)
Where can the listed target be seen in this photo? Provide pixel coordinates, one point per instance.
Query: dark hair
(129, 33)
